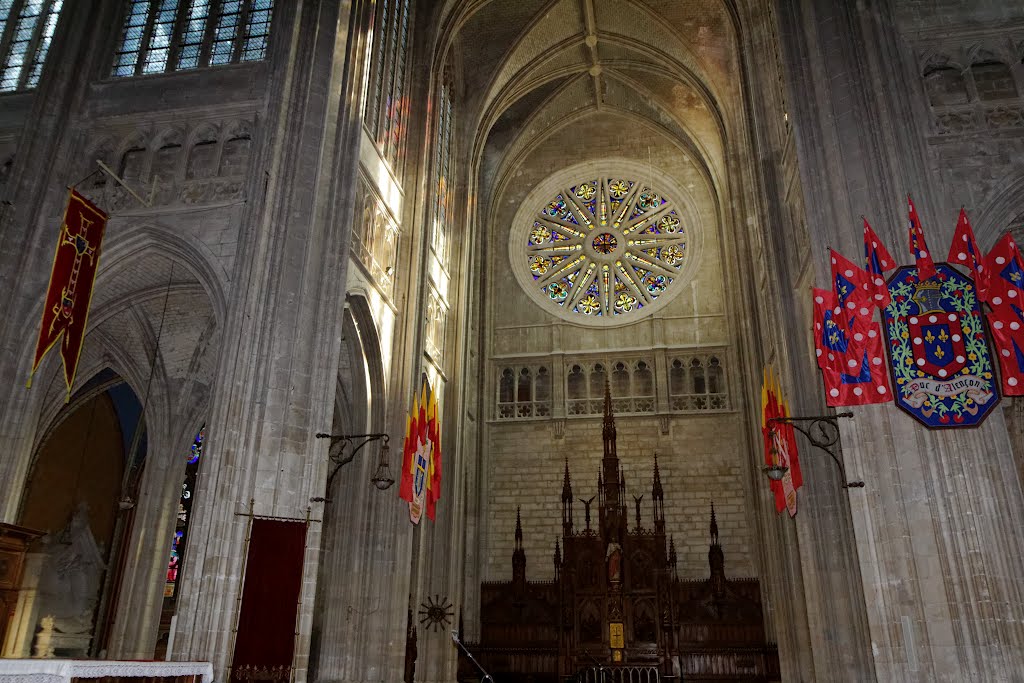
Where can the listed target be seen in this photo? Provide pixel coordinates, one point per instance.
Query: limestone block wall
(700, 459)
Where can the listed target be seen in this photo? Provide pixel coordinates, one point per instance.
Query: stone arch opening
(84, 472)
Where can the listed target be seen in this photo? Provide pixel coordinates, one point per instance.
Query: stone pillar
(136, 616)
(936, 527)
(278, 365)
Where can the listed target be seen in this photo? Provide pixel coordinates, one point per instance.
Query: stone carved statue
(69, 588)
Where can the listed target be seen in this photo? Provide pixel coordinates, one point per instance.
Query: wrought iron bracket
(822, 432)
(340, 442)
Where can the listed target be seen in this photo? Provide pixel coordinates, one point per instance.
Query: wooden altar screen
(616, 609)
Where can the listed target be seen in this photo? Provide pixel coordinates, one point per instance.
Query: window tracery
(375, 242)
(524, 391)
(694, 382)
(443, 169)
(697, 383)
(26, 30)
(604, 248)
(179, 35)
(631, 383)
(387, 107)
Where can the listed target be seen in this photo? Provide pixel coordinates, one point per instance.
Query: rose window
(604, 248)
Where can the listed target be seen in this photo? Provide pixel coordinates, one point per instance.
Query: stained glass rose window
(603, 248)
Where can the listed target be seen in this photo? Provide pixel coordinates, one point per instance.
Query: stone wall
(699, 461)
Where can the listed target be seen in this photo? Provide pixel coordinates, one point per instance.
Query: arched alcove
(86, 463)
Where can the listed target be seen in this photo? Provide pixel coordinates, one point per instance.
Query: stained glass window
(180, 538)
(26, 30)
(386, 105)
(603, 248)
(443, 171)
(176, 35)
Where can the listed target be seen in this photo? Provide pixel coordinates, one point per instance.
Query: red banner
(421, 457)
(265, 644)
(75, 262)
(779, 444)
(877, 262)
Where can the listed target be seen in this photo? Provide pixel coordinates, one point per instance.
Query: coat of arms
(937, 348)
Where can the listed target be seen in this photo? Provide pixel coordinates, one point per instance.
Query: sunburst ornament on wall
(436, 613)
(604, 249)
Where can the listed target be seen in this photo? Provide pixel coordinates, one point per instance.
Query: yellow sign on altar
(615, 636)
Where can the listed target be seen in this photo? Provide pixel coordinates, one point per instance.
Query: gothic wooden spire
(557, 559)
(566, 502)
(658, 498)
(716, 559)
(566, 484)
(519, 555)
(608, 426)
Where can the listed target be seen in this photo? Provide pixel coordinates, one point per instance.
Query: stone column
(937, 527)
(278, 364)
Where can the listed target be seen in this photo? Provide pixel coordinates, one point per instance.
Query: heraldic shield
(937, 339)
(938, 350)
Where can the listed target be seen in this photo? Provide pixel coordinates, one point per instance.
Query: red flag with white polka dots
(837, 336)
(877, 262)
(1007, 325)
(918, 247)
(864, 377)
(1005, 274)
(964, 250)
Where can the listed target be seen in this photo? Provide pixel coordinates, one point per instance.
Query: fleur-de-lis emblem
(943, 336)
(939, 353)
(1015, 276)
(930, 338)
(833, 338)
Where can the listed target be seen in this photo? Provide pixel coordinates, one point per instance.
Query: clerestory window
(178, 35)
(387, 103)
(26, 29)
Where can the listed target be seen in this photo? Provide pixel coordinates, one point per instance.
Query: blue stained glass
(196, 451)
(180, 539)
(17, 55)
(5, 11)
(192, 36)
(257, 31)
(39, 58)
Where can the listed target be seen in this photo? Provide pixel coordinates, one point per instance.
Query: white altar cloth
(63, 670)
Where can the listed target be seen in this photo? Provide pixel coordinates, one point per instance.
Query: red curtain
(265, 642)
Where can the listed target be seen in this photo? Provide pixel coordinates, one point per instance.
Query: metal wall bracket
(822, 432)
(336, 454)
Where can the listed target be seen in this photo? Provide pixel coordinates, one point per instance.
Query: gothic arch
(997, 214)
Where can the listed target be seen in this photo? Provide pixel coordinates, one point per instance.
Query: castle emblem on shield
(938, 350)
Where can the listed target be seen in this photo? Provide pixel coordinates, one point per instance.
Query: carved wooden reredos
(616, 603)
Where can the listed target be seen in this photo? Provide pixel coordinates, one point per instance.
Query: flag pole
(147, 203)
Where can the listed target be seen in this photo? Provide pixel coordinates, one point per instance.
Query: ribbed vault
(535, 67)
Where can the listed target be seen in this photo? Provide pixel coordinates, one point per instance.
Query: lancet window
(387, 103)
(26, 29)
(180, 539)
(443, 170)
(177, 35)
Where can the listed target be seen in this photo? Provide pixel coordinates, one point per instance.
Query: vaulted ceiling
(533, 67)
